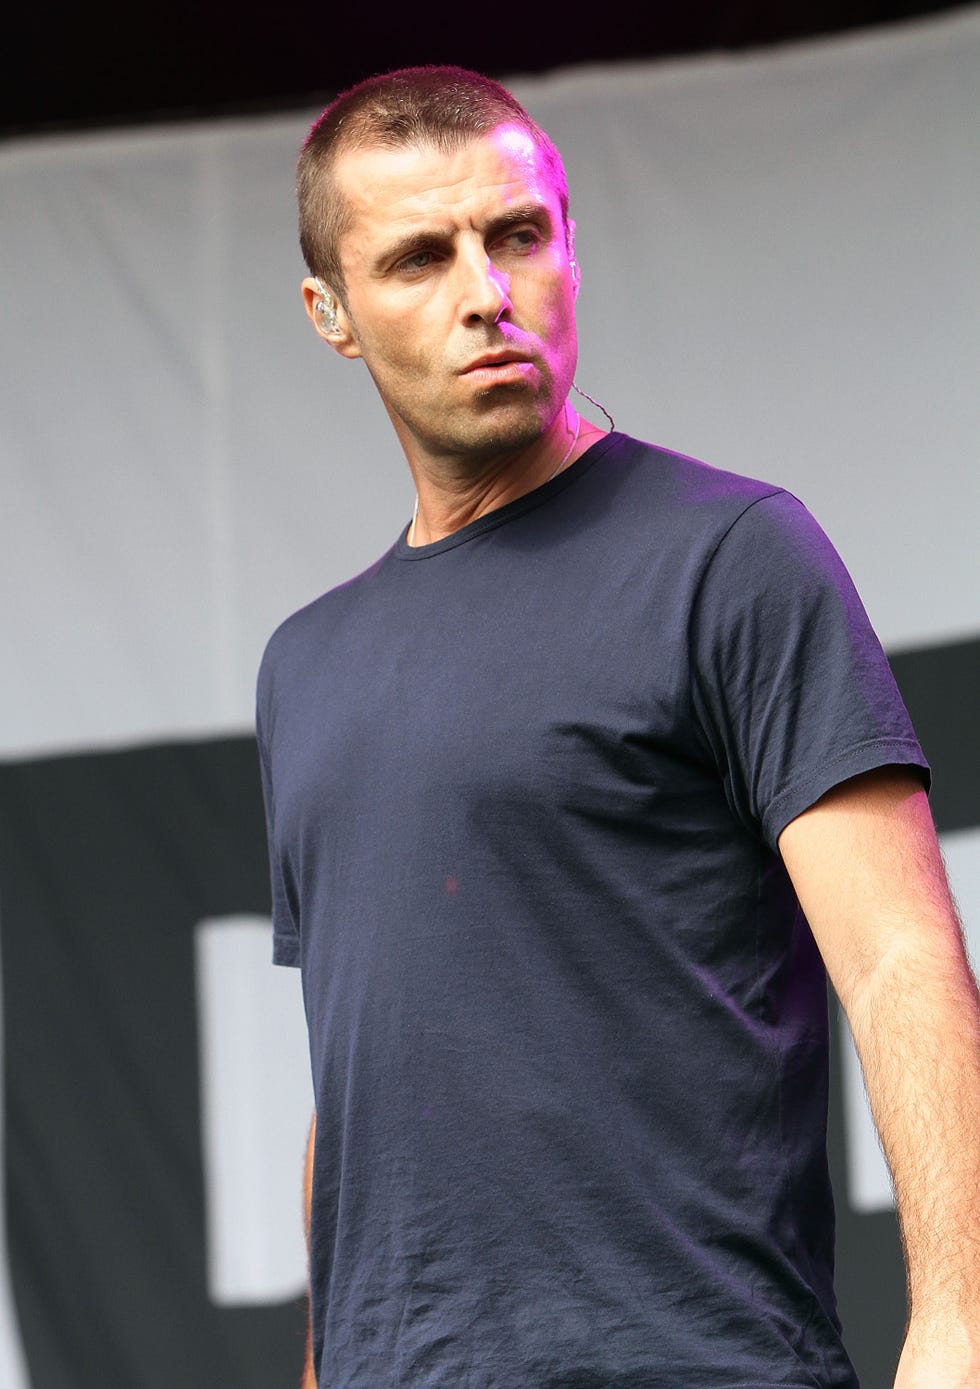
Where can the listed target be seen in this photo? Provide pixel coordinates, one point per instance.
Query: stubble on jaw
(478, 447)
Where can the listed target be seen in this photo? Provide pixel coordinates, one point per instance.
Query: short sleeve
(792, 689)
(285, 929)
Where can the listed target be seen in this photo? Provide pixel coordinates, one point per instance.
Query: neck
(447, 500)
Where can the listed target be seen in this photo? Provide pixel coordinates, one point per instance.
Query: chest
(566, 689)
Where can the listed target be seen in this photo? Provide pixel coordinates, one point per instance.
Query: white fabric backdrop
(781, 276)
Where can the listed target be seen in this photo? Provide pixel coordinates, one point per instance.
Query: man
(567, 795)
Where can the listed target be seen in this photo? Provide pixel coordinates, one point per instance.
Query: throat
(445, 506)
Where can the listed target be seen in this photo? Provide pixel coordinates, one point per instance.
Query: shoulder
(744, 516)
(305, 633)
(676, 482)
(702, 517)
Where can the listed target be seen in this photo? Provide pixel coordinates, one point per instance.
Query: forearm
(868, 872)
(916, 1024)
(309, 1378)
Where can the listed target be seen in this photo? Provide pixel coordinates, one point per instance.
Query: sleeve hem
(285, 950)
(866, 757)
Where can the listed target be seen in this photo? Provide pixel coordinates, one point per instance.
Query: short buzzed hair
(443, 107)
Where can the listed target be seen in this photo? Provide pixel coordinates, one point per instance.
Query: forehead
(388, 191)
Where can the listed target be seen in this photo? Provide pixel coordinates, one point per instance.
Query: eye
(522, 241)
(416, 263)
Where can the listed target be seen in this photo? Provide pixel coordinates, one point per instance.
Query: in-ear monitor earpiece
(326, 310)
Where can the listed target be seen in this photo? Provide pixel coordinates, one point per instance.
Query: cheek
(409, 343)
(559, 304)
(562, 326)
(393, 353)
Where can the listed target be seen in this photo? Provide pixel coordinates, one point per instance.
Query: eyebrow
(517, 216)
(424, 240)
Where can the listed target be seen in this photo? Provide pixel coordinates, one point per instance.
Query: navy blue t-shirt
(568, 1026)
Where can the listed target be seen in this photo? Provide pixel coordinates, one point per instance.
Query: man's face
(460, 292)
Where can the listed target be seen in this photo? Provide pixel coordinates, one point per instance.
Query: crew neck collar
(538, 496)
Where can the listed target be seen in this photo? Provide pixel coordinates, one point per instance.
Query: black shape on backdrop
(107, 862)
(70, 66)
(940, 686)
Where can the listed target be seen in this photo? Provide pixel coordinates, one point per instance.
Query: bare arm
(309, 1378)
(867, 868)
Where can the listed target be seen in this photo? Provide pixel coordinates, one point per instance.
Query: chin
(496, 426)
(514, 428)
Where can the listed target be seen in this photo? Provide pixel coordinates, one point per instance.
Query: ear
(573, 264)
(329, 317)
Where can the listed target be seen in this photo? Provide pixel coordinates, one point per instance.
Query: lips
(501, 370)
(495, 359)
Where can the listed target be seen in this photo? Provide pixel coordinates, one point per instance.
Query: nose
(484, 291)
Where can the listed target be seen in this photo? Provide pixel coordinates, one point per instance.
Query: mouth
(493, 359)
(499, 368)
